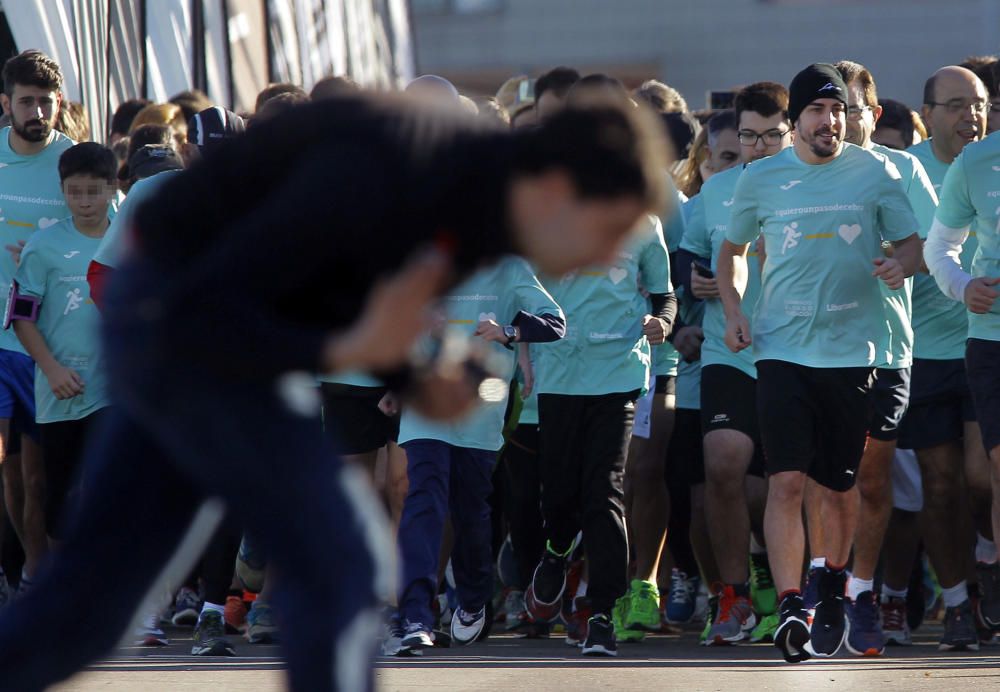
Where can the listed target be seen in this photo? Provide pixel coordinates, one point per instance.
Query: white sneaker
(149, 633)
(466, 627)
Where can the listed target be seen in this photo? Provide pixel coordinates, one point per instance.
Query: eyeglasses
(855, 112)
(772, 138)
(956, 106)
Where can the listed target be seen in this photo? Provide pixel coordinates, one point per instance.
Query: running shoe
(989, 594)
(764, 631)
(619, 616)
(210, 636)
(149, 632)
(894, 623)
(466, 627)
(600, 637)
(250, 565)
(543, 598)
(792, 635)
(864, 633)
(236, 615)
(735, 620)
(828, 627)
(392, 645)
(417, 636)
(261, 627)
(984, 631)
(516, 617)
(577, 620)
(683, 594)
(507, 569)
(187, 607)
(810, 595)
(959, 629)
(644, 606)
(763, 595)
(713, 612)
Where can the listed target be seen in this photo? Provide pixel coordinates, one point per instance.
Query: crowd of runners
(771, 410)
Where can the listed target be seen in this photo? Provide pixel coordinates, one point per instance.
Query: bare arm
(731, 275)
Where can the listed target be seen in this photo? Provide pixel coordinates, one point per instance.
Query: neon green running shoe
(764, 631)
(763, 595)
(644, 606)
(619, 616)
(713, 612)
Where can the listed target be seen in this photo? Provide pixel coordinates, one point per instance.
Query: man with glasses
(823, 208)
(728, 384)
(941, 422)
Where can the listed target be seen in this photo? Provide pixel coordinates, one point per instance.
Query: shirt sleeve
(923, 198)
(943, 255)
(654, 261)
(31, 271)
(956, 209)
(673, 223)
(530, 297)
(744, 221)
(696, 239)
(895, 214)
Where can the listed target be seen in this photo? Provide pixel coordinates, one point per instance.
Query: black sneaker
(543, 599)
(828, 628)
(810, 594)
(792, 635)
(989, 594)
(600, 637)
(210, 636)
(959, 629)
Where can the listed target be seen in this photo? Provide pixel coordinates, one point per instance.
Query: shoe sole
(792, 639)
(153, 641)
(463, 641)
(599, 650)
(416, 643)
(215, 649)
(958, 647)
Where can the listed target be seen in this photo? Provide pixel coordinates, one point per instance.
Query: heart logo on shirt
(487, 317)
(728, 203)
(849, 233)
(997, 169)
(45, 222)
(617, 274)
(4, 165)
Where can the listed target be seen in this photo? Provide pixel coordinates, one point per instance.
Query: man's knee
(786, 487)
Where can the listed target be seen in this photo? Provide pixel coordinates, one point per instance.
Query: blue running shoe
(810, 595)
(682, 599)
(864, 633)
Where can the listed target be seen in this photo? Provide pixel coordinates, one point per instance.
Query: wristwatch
(510, 332)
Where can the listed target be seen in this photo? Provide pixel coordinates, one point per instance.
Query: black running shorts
(729, 402)
(890, 398)
(982, 362)
(940, 404)
(351, 414)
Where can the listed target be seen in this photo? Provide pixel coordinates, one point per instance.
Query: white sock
(817, 562)
(220, 609)
(755, 547)
(856, 587)
(986, 550)
(889, 592)
(581, 590)
(955, 595)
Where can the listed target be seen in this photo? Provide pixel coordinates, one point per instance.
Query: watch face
(509, 332)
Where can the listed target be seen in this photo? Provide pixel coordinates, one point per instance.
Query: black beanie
(819, 81)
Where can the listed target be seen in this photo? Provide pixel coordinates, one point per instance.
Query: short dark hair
(764, 98)
(88, 158)
(929, 89)
(272, 90)
(192, 102)
(31, 68)
(896, 116)
(987, 68)
(721, 121)
(599, 82)
(121, 121)
(157, 135)
(852, 71)
(558, 80)
(278, 105)
(608, 148)
(333, 86)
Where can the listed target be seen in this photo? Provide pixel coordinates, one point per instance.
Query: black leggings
(524, 511)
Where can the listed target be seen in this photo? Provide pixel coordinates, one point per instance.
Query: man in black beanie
(824, 208)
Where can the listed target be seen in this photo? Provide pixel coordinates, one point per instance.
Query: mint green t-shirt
(112, 248)
(355, 378)
(940, 325)
(706, 229)
(605, 351)
(497, 294)
(899, 304)
(970, 196)
(823, 225)
(31, 199)
(665, 356)
(692, 313)
(53, 269)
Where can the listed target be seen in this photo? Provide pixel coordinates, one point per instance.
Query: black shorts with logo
(982, 362)
(729, 402)
(352, 416)
(940, 404)
(814, 420)
(890, 399)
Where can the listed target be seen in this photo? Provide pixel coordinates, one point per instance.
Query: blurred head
(191, 102)
(272, 90)
(723, 142)
(582, 179)
(762, 118)
(329, 87)
(491, 112)
(661, 98)
(121, 121)
(694, 170)
(817, 107)
(155, 135)
(73, 121)
(430, 88)
(551, 89)
(211, 127)
(169, 114)
(955, 107)
(681, 128)
(278, 105)
(863, 109)
(32, 94)
(525, 116)
(895, 128)
(516, 95)
(87, 175)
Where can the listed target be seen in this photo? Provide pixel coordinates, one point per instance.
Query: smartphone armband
(20, 307)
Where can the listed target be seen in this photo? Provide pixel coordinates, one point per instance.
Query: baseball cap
(212, 126)
(152, 159)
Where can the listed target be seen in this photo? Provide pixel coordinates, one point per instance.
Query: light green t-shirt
(940, 325)
(31, 199)
(497, 294)
(112, 248)
(605, 351)
(53, 269)
(706, 229)
(899, 304)
(823, 225)
(355, 378)
(665, 356)
(970, 196)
